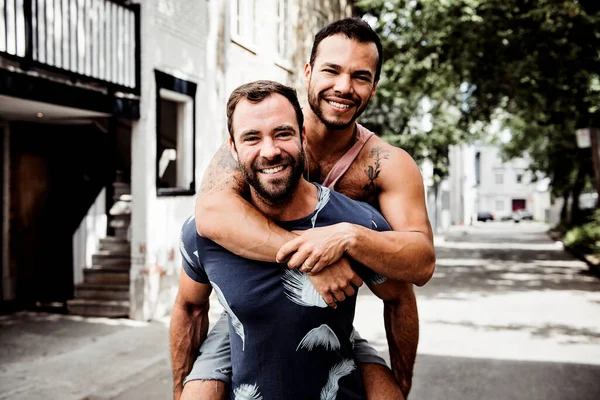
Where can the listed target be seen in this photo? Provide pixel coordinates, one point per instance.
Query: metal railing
(98, 40)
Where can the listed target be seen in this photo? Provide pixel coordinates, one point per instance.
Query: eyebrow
(249, 132)
(363, 72)
(284, 127)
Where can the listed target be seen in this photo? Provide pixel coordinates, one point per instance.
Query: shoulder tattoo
(377, 154)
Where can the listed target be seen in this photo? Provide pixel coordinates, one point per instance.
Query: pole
(595, 145)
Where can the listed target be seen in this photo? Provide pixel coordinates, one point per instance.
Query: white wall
(175, 41)
(86, 238)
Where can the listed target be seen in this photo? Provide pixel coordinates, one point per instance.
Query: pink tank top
(340, 167)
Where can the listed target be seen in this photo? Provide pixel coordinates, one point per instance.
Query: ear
(303, 136)
(307, 73)
(374, 89)
(233, 150)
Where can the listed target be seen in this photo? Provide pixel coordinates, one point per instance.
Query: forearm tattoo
(378, 155)
(223, 173)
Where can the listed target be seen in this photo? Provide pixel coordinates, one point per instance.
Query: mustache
(345, 96)
(263, 163)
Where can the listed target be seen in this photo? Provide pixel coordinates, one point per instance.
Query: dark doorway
(56, 173)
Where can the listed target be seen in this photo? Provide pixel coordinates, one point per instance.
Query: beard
(314, 101)
(275, 191)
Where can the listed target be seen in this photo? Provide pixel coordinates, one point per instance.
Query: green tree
(535, 62)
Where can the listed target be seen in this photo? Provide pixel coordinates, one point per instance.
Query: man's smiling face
(268, 147)
(341, 80)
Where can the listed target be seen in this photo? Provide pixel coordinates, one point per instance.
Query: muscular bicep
(402, 195)
(221, 175)
(192, 293)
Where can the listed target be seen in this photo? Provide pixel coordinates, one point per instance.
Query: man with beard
(341, 77)
(285, 342)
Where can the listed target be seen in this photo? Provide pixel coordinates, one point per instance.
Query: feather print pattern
(352, 337)
(184, 251)
(247, 392)
(321, 336)
(377, 279)
(323, 199)
(237, 324)
(299, 290)
(338, 371)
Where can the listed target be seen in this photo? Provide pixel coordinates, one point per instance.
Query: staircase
(105, 288)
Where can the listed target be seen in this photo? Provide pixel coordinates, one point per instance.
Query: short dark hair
(257, 91)
(353, 28)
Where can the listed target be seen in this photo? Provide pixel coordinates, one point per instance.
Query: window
(499, 178)
(519, 178)
(283, 28)
(175, 135)
(243, 21)
(499, 205)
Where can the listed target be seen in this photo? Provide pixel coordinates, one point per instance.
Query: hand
(316, 248)
(336, 282)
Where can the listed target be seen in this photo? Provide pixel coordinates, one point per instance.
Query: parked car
(522, 215)
(484, 216)
(525, 215)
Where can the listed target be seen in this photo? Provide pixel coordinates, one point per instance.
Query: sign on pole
(583, 138)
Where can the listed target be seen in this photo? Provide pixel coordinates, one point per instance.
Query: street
(508, 315)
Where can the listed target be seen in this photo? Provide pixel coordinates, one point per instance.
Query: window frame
(242, 19)
(180, 91)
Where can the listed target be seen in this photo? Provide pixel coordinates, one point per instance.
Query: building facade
(481, 181)
(110, 111)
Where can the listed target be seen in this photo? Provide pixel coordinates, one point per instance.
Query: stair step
(106, 275)
(95, 291)
(105, 260)
(116, 247)
(98, 308)
(113, 239)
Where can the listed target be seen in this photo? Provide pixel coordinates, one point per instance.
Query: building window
(519, 178)
(175, 135)
(499, 205)
(283, 28)
(499, 178)
(243, 21)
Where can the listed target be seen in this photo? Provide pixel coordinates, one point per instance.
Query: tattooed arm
(405, 254)
(224, 216)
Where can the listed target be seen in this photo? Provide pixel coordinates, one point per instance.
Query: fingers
(357, 281)
(349, 291)
(287, 250)
(329, 300)
(339, 295)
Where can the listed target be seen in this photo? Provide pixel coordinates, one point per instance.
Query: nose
(343, 84)
(269, 149)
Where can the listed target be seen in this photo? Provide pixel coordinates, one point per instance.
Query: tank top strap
(340, 167)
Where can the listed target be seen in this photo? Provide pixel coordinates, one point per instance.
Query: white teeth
(272, 170)
(339, 105)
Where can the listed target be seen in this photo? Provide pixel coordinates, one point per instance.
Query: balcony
(95, 41)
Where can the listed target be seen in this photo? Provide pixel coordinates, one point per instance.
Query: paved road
(508, 315)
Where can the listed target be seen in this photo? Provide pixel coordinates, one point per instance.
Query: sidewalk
(51, 356)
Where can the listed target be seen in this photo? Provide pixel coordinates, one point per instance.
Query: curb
(593, 264)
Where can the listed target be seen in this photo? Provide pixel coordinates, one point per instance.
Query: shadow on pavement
(458, 378)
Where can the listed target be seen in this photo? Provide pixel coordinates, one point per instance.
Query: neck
(298, 205)
(327, 143)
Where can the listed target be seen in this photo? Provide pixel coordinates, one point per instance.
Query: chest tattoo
(377, 154)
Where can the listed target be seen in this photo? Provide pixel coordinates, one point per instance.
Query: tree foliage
(535, 62)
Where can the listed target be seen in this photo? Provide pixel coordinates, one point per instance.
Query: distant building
(110, 111)
(481, 182)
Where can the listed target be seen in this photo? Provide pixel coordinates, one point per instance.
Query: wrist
(350, 237)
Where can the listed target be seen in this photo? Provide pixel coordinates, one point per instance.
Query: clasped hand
(317, 248)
